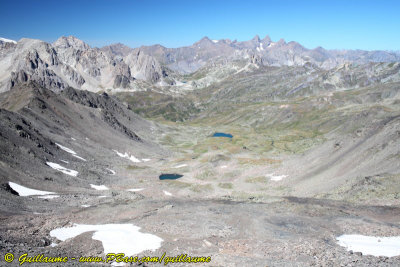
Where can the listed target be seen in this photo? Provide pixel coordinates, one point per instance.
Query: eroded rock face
(75, 77)
(71, 41)
(35, 61)
(45, 77)
(145, 67)
(71, 62)
(121, 81)
(255, 59)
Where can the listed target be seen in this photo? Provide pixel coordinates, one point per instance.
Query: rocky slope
(71, 62)
(36, 123)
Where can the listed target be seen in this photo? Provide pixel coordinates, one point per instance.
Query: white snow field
(116, 238)
(126, 155)
(167, 193)
(62, 169)
(49, 196)
(68, 150)
(99, 187)
(25, 191)
(78, 157)
(180, 166)
(135, 189)
(111, 171)
(275, 178)
(371, 245)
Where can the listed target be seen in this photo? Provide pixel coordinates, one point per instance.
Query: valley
(304, 154)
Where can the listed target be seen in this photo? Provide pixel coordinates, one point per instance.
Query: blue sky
(337, 24)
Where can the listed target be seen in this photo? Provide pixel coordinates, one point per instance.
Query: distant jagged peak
(221, 41)
(117, 49)
(204, 41)
(26, 45)
(228, 41)
(152, 48)
(71, 41)
(29, 41)
(295, 45)
(253, 43)
(320, 49)
(266, 39)
(281, 42)
(118, 45)
(256, 39)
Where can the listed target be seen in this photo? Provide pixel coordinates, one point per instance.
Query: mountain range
(71, 62)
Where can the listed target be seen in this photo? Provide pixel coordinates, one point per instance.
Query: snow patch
(146, 160)
(180, 166)
(135, 189)
(78, 157)
(124, 238)
(62, 169)
(126, 155)
(112, 171)
(66, 149)
(215, 41)
(224, 166)
(371, 245)
(8, 40)
(64, 161)
(207, 243)
(275, 177)
(99, 187)
(167, 193)
(85, 206)
(49, 196)
(102, 196)
(25, 191)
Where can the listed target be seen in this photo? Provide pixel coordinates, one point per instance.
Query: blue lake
(167, 176)
(222, 135)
